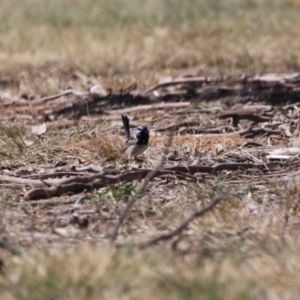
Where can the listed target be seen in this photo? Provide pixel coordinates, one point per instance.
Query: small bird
(137, 144)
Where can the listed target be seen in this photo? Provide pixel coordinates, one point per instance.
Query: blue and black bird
(137, 144)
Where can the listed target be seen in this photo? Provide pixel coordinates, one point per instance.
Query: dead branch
(184, 225)
(177, 126)
(199, 130)
(148, 107)
(55, 174)
(177, 81)
(53, 97)
(237, 116)
(247, 132)
(48, 203)
(253, 131)
(273, 78)
(89, 183)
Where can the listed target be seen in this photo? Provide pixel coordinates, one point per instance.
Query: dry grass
(230, 253)
(243, 250)
(247, 248)
(109, 148)
(119, 38)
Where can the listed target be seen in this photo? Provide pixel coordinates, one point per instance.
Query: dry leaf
(286, 128)
(39, 129)
(98, 90)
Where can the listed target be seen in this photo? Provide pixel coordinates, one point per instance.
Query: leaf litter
(65, 179)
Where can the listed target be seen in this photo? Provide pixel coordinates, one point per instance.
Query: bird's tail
(126, 126)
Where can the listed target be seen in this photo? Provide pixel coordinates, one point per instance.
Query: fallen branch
(89, 183)
(177, 81)
(253, 131)
(59, 186)
(148, 107)
(199, 130)
(53, 97)
(184, 225)
(237, 116)
(177, 126)
(55, 174)
(274, 78)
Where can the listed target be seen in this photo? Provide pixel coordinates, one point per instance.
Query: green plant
(114, 193)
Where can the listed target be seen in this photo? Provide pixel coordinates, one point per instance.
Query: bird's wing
(128, 144)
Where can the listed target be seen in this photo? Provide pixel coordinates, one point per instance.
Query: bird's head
(141, 134)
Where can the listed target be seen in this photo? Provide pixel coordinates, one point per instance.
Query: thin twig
(286, 213)
(53, 97)
(183, 225)
(149, 107)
